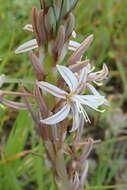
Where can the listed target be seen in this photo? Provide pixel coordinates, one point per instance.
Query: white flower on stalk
(72, 101)
(32, 44)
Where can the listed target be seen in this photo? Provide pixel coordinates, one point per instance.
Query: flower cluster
(74, 90)
(78, 76)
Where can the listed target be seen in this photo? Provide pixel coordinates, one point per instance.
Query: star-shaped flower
(98, 76)
(73, 101)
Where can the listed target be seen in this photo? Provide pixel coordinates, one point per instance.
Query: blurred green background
(20, 167)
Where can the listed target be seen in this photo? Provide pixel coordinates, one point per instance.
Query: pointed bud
(36, 65)
(59, 43)
(29, 106)
(42, 4)
(73, 3)
(12, 104)
(69, 26)
(50, 22)
(57, 9)
(41, 26)
(38, 26)
(79, 65)
(64, 51)
(40, 100)
(34, 24)
(81, 50)
(58, 3)
(65, 8)
(45, 4)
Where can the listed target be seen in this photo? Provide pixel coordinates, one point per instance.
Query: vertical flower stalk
(73, 91)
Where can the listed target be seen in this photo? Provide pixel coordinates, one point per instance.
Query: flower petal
(90, 100)
(82, 80)
(93, 89)
(76, 118)
(52, 89)
(100, 75)
(28, 27)
(83, 76)
(58, 117)
(32, 44)
(73, 45)
(95, 92)
(68, 76)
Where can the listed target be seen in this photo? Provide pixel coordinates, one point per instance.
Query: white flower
(98, 76)
(73, 101)
(32, 44)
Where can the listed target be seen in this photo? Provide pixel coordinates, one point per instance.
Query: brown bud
(34, 23)
(41, 27)
(38, 26)
(73, 3)
(40, 100)
(50, 22)
(59, 43)
(12, 104)
(45, 4)
(82, 49)
(79, 65)
(36, 65)
(70, 23)
(29, 106)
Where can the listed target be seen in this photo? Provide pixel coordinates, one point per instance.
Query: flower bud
(38, 26)
(50, 23)
(59, 43)
(69, 26)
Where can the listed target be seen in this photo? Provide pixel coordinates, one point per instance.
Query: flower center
(69, 97)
